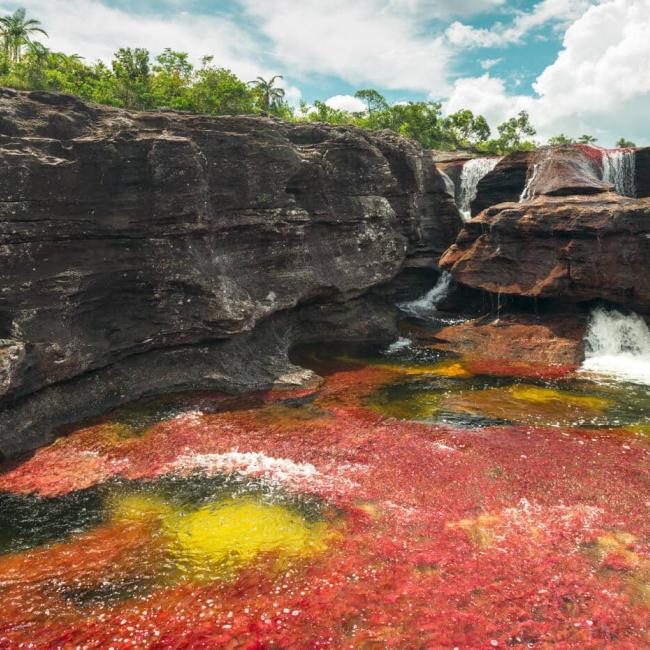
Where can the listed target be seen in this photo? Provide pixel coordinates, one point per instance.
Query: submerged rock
(518, 339)
(146, 239)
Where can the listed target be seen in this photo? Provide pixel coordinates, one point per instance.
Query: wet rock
(125, 235)
(562, 171)
(517, 339)
(504, 183)
(575, 248)
(642, 172)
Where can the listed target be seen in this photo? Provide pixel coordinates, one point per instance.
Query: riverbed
(414, 500)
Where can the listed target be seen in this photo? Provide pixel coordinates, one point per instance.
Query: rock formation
(149, 252)
(574, 248)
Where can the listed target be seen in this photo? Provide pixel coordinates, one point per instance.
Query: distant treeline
(136, 81)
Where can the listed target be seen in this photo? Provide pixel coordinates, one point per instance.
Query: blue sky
(578, 66)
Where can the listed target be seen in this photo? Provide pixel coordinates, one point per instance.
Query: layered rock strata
(143, 252)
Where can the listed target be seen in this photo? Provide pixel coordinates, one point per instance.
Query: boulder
(575, 248)
(562, 171)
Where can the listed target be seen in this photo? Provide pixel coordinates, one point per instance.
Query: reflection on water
(414, 500)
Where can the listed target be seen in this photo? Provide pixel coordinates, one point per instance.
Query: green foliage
(625, 144)
(170, 81)
(16, 31)
(560, 140)
(375, 101)
(587, 139)
(466, 129)
(132, 72)
(268, 95)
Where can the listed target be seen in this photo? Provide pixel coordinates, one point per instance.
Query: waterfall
(618, 345)
(526, 195)
(473, 171)
(427, 304)
(619, 168)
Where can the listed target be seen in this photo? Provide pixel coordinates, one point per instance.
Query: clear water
(414, 500)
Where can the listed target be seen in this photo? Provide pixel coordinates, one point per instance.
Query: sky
(577, 66)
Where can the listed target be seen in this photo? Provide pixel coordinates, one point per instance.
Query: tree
(561, 140)
(465, 129)
(514, 134)
(172, 79)
(269, 95)
(374, 100)
(625, 144)
(132, 76)
(219, 92)
(16, 31)
(587, 139)
(321, 112)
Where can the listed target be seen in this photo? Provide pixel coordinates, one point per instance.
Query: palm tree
(16, 31)
(270, 96)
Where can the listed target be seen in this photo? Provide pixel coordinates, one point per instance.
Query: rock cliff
(148, 252)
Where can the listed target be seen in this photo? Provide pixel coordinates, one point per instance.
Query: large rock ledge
(149, 240)
(575, 248)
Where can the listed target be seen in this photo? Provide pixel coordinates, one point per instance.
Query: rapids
(618, 345)
(413, 500)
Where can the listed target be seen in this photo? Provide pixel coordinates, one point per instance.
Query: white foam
(473, 171)
(277, 470)
(618, 346)
(619, 168)
(528, 192)
(401, 344)
(428, 303)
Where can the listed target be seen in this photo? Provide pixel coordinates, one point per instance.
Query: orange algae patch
(498, 368)
(618, 551)
(528, 404)
(481, 530)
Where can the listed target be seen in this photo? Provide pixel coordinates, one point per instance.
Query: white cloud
(442, 8)
(560, 12)
(346, 103)
(94, 30)
(486, 64)
(363, 42)
(599, 83)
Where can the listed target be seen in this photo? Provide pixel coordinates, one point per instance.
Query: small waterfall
(526, 195)
(619, 168)
(427, 304)
(473, 171)
(618, 345)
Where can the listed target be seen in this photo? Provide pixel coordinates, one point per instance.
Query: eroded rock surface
(574, 248)
(518, 339)
(130, 236)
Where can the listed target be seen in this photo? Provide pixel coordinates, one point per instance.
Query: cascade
(426, 305)
(619, 166)
(473, 171)
(527, 194)
(618, 345)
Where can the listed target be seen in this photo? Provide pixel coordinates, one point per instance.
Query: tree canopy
(136, 81)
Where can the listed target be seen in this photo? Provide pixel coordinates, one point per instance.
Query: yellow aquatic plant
(539, 395)
(220, 538)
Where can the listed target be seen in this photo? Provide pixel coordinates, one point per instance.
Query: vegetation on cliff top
(136, 81)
